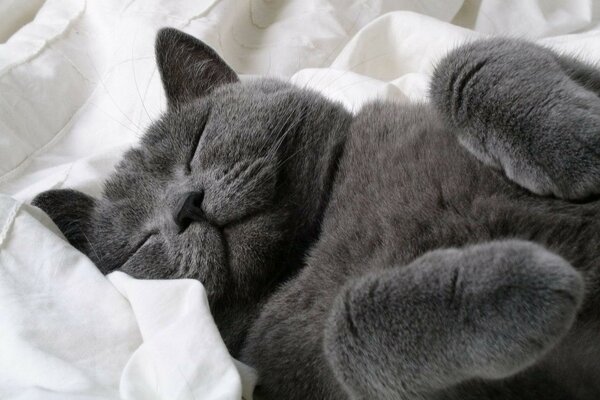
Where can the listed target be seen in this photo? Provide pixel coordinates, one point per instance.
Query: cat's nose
(189, 209)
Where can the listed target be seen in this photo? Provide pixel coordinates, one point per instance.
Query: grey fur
(454, 302)
(372, 256)
(526, 110)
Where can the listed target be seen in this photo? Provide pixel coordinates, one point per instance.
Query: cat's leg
(524, 109)
(485, 311)
(586, 75)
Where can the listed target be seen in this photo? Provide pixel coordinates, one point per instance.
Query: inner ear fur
(189, 68)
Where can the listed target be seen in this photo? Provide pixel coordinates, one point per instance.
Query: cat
(440, 250)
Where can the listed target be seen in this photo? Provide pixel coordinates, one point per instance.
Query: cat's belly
(412, 190)
(405, 187)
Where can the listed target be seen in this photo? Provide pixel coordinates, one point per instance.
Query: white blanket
(78, 85)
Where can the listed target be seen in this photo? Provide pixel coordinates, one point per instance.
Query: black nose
(189, 210)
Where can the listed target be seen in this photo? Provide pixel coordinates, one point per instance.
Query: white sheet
(78, 85)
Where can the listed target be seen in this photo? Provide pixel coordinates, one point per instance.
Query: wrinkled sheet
(78, 86)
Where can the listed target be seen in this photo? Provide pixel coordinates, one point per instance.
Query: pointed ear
(71, 211)
(189, 68)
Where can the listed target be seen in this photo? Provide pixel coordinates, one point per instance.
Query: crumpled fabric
(78, 86)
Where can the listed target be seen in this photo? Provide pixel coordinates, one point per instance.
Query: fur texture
(405, 252)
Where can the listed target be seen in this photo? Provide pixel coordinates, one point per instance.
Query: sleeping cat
(431, 251)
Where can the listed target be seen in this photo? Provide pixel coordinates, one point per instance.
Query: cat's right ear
(71, 211)
(188, 67)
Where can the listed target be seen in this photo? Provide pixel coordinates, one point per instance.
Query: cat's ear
(189, 68)
(71, 211)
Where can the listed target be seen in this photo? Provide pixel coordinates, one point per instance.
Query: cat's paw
(522, 108)
(516, 301)
(485, 311)
(573, 160)
(559, 155)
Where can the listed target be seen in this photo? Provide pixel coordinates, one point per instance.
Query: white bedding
(78, 85)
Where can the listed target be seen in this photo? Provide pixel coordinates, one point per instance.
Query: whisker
(137, 133)
(135, 77)
(92, 247)
(340, 45)
(351, 68)
(304, 146)
(277, 144)
(101, 80)
(292, 126)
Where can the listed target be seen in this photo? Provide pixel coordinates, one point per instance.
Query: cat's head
(228, 186)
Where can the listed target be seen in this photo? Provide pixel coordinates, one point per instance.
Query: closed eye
(194, 148)
(144, 240)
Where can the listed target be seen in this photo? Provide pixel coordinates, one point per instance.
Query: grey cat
(447, 250)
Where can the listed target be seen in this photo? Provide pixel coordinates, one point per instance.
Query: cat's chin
(204, 235)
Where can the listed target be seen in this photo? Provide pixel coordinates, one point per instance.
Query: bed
(78, 86)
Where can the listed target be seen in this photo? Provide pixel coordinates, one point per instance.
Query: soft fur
(429, 251)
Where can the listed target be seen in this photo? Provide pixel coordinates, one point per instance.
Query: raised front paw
(566, 156)
(523, 109)
(485, 311)
(557, 154)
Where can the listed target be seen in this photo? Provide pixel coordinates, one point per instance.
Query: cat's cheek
(254, 248)
(149, 262)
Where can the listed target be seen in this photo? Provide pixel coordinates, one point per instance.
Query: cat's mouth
(234, 258)
(204, 254)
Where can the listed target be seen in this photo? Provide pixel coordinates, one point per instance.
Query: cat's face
(227, 187)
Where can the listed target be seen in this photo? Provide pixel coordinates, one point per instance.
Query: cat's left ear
(71, 211)
(189, 68)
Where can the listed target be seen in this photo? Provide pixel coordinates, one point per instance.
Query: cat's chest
(401, 193)
(405, 187)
